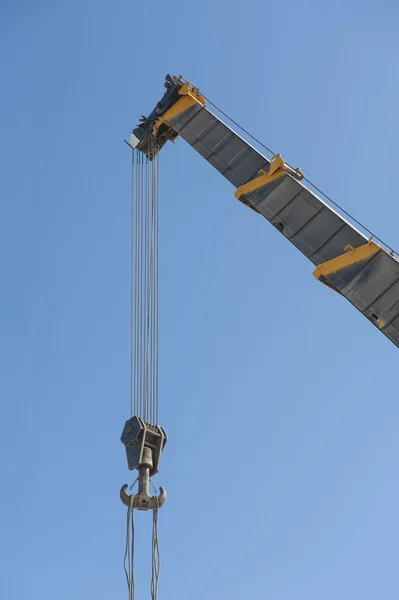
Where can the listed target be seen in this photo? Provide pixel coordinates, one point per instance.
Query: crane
(360, 268)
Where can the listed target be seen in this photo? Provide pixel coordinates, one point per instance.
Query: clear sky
(279, 398)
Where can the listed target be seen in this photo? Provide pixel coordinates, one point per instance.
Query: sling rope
(144, 326)
(156, 557)
(128, 562)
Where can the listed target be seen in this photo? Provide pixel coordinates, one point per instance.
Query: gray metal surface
(304, 219)
(137, 434)
(143, 500)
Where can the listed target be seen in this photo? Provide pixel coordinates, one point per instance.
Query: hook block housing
(137, 434)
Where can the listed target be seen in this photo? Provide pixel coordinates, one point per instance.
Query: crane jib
(345, 259)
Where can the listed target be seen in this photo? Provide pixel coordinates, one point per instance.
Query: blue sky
(279, 398)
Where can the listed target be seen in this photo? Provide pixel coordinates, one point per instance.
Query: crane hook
(143, 500)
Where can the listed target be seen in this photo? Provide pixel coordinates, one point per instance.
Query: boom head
(155, 130)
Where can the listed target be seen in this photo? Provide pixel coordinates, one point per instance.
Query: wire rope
(144, 302)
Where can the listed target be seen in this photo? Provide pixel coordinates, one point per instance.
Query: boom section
(345, 260)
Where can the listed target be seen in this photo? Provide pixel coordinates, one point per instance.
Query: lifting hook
(143, 500)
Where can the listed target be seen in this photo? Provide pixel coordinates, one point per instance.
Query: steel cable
(144, 330)
(132, 293)
(144, 337)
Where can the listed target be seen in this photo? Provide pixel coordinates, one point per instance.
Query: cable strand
(156, 557)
